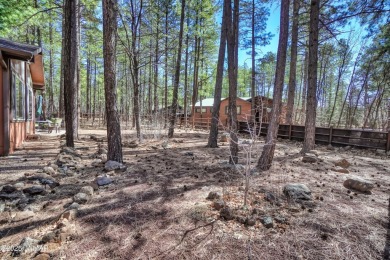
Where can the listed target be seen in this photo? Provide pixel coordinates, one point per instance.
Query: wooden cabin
(263, 105)
(203, 109)
(243, 110)
(20, 76)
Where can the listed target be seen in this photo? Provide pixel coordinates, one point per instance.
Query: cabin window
(17, 98)
(238, 110)
(198, 110)
(30, 104)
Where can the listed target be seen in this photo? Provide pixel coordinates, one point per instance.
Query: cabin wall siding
(244, 116)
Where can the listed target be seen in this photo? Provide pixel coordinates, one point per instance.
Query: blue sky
(273, 27)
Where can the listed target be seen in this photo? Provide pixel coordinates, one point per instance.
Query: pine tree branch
(42, 11)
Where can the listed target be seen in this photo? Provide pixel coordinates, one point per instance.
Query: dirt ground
(156, 208)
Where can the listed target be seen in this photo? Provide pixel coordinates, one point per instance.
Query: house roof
(25, 52)
(19, 50)
(209, 102)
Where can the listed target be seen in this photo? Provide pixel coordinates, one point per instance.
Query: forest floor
(157, 207)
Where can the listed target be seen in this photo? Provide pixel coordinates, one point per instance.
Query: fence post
(289, 132)
(388, 141)
(330, 134)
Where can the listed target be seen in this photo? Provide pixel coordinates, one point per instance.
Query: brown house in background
(243, 110)
(263, 106)
(20, 76)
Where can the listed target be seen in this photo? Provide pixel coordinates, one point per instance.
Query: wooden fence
(324, 135)
(329, 135)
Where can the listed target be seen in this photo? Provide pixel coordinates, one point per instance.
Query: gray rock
(74, 205)
(297, 191)
(309, 159)
(102, 181)
(267, 222)
(27, 244)
(219, 204)
(10, 196)
(97, 162)
(49, 170)
(65, 159)
(359, 184)
(19, 185)
(103, 157)
(51, 183)
(81, 198)
(113, 165)
(87, 190)
(102, 151)
(213, 195)
(226, 213)
(8, 189)
(2, 206)
(69, 214)
(34, 190)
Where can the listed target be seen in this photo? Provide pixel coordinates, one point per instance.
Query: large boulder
(359, 184)
(297, 191)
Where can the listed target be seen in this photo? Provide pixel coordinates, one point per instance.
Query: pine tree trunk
(213, 136)
(88, 101)
(114, 141)
(186, 80)
(70, 69)
(156, 61)
(61, 106)
(232, 50)
(253, 56)
(267, 156)
(310, 123)
(293, 63)
(177, 75)
(166, 69)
